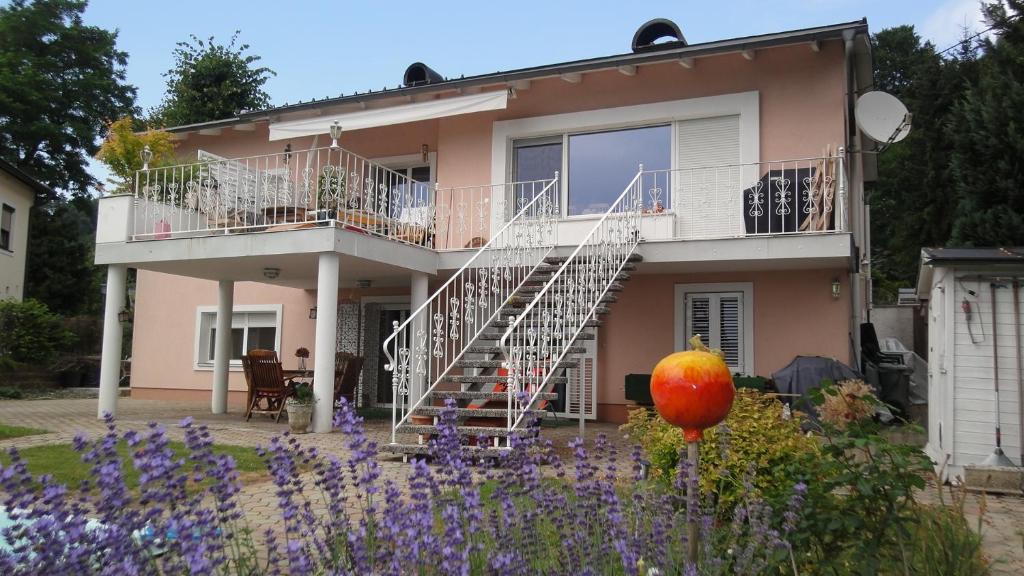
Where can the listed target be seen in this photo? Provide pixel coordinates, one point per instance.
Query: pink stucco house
(546, 230)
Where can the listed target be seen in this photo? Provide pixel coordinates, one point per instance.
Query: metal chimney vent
(419, 73)
(650, 32)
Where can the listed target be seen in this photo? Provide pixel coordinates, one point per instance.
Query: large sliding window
(597, 167)
(602, 164)
(533, 160)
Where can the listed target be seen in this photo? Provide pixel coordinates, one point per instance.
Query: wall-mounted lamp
(835, 288)
(287, 152)
(335, 134)
(424, 153)
(124, 316)
(312, 313)
(512, 93)
(271, 273)
(146, 155)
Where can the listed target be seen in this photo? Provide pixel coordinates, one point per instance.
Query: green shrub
(32, 334)
(755, 444)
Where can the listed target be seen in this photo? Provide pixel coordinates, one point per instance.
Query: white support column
(110, 363)
(418, 296)
(326, 341)
(222, 347)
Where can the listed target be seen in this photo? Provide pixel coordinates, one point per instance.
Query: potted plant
(300, 407)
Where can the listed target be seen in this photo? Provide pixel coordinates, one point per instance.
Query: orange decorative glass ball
(692, 390)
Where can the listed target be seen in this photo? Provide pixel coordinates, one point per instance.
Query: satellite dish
(882, 117)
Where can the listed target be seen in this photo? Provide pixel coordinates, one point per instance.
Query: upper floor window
(7, 228)
(602, 164)
(595, 166)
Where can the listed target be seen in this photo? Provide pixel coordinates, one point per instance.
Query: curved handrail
(437, 334)
(535, 343)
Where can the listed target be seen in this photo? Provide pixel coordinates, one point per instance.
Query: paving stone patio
(1002, 529)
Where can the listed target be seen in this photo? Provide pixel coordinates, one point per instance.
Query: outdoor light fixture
(146, 155)
(287, 152)
(312, 313)
(424, 153)
(335, 134)
(835, 288)
(124, 316)
(271, 273)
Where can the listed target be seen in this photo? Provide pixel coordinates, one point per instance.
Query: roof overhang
(687, 53)
(402, 114)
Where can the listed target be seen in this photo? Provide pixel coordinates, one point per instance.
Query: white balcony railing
(334, 187)
(803, 196)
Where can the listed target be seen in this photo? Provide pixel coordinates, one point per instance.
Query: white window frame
(743, 104)
(235, 365)
(746, 288)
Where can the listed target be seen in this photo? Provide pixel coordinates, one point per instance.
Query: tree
(61, 83)
(60, 272)
(988, 135)
(913, 203)
(122, 152)
(210, 81)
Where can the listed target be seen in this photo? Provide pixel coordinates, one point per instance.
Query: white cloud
(945, 26)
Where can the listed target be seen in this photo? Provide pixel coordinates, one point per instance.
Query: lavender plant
(526, 512)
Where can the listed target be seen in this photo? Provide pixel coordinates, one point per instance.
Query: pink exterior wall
(164, 341)
(794, 314)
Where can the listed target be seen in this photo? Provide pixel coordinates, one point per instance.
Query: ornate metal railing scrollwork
(423, 350)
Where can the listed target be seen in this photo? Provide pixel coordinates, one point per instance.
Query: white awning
(497, 100)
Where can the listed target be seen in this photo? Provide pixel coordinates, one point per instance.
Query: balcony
(332, 187)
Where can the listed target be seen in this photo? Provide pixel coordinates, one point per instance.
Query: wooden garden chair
(268, 386)
(347, 368)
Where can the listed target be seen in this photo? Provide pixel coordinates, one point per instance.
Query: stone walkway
(1002, 529)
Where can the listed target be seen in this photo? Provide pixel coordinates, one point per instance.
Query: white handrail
(535, 343)
(425, 347)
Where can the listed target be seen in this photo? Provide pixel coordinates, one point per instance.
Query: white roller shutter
(707, 195)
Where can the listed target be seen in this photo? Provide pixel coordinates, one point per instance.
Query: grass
(66, 465)
(7, 432)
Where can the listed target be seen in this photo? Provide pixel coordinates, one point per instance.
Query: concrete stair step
(479, 395)
(423, 450)
(497, 350)
(534, 288)
(634, 257)
(475, 412)
(496, 336)
(523, 300)
(517, 310)
(503, 323)
(490, 379)
(464, 431)
(468, 363)
(543, 277)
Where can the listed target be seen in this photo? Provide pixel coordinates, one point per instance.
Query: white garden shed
(975, 299)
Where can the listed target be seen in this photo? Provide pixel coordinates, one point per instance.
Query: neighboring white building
(17, 193)
(958, 285)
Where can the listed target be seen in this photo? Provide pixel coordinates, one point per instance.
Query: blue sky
(326, 48)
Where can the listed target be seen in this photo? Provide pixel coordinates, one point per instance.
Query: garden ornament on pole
(694, 391)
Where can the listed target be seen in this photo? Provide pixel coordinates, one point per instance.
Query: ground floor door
(389, 313)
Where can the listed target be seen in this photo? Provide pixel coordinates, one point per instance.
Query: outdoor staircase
(481, 394)
(498, 336)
